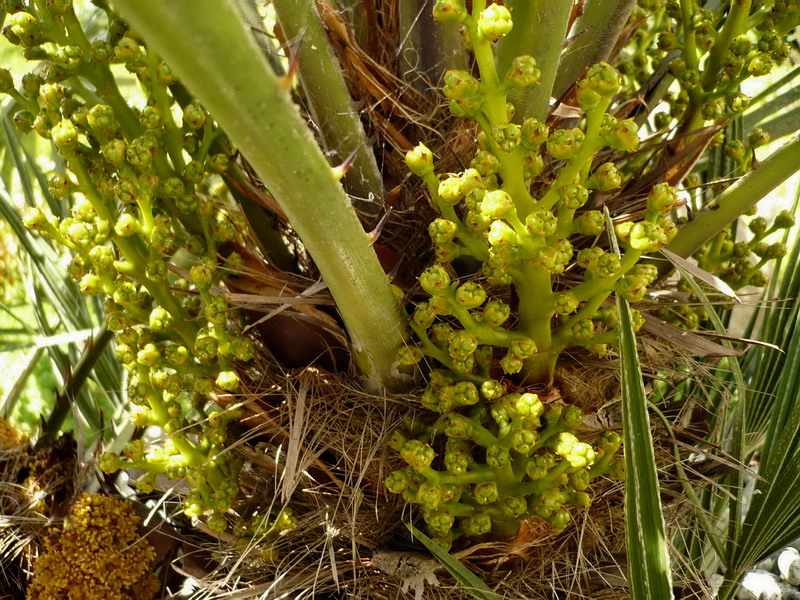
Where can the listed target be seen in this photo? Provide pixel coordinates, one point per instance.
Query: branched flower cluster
(99, 555)
(145, 231)
(498, 451)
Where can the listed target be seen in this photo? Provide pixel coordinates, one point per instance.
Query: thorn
(376, 231)
(339, 172)
(287, 81)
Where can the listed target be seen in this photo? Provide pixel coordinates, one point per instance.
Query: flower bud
(228, 381)
(606, 177)
(566, 302)
(127, 50)
(496, 312)
(496, 204)
(523, 347)
(151, 117)
(541, 222)
(90, 284)
(533, 134)
(507, 136)
(149, 355)
(662, 199)
(622, 135)
(564, 143)
(486, 492)
(758, 137)
(511, 364)
(160, 319)
(523, 72)
(417, 454)
(459, 85)
(501, 233)
(435, 280)
(470, 295)
(573, 195)
(64, 136)
(462, 345)
(495, 22)
(760, 65)
(102, 120)
(450, 11)
(738, 102)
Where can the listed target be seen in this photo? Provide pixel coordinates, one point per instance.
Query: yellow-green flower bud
(606, 177)
(450, 11)
(435, 280)
(582, 330)
(533, 133)
(523, 72)
(478, 524)
(127, 225)
(622, 135)
(408, 355)
(64, 136)
(102, 120)
(496, 204)
(417, 454)
(486, 492)
(662, 199)
(573, 195)
(470, 295)
(738, 102)
(495, 22)
(507, 136)
(462, 345)
(149, 355)
(501, 233)
(90, 284)
(496, 312)
(566, 303)
(564, 143)
(160, 319)
(459, 85)
(532, 165)
(228, 381)
(523, 347)
(511, 364)
(485, 163)
(194, 117)
(127, 50)
(206, 347)
(497, 457)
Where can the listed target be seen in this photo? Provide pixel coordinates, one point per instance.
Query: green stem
(255, 109)
(736, 200)
(735, 24)
(329, 99)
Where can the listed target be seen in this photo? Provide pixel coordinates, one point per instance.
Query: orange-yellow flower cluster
(99, 555)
